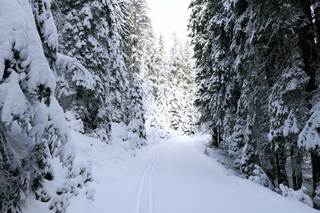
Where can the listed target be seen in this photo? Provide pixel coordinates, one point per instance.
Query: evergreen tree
(154, 66)
(32, 130)
(89, 32)
(136, 34)
(75, 88)
(180, 82)
(137, 132)
(158, 75)
(256, 65)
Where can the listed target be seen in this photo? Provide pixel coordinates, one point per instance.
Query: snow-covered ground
(171, 177)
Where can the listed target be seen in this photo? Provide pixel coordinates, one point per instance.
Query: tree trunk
(295, 164)
(214, 141)
(281, 159)
(308, 47)
(316, 18)
(315, 162)
(308, 34)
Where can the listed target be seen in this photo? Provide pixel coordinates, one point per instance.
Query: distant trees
(157, 76)
(172, 87)
(165, 81)
(181, 84)
(256, 69)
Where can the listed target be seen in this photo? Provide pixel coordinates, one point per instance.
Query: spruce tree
(136, 34)
(159, 76)
(89, 32)
(256, 69)
(32, 130)
(180, 83)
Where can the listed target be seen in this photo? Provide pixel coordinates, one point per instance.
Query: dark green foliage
(256, 64)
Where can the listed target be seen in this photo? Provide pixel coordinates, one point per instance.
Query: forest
(99, 113)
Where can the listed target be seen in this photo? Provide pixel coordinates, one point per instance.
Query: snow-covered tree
(137, 131)
(256, 64)
(75, 90)
(157, 75)
(181, 88)
(32, 124)
(89, 32)
(136, 35)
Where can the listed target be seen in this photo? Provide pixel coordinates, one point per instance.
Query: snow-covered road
(174, 177)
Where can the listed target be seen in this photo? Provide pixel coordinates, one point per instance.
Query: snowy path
(175, 177)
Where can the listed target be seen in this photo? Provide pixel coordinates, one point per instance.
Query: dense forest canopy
(257, 65)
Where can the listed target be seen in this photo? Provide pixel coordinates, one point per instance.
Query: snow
(19, 32)
(290, 125)
(80, 76)
(169, 177)
(299, 195)
(309, 136)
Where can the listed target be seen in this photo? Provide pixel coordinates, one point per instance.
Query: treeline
(257, 65)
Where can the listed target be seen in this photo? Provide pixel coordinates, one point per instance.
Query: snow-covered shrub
(59, 204)
(74, 121)
(90, 193)
(119, 132)
(298, 195)
(245, 160)
(75, 92)
(81, 175)
(316, 198)
(76, 180)
(156, 134)
(260, 177)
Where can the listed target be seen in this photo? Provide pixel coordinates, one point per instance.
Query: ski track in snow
(177, 177)
(172, 177)
(147, 185)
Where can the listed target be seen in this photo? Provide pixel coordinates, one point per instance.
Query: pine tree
(119, 85)
(256, 65)
(158, 75)
(180, 84)
(32, 131)
(215, 80)
(75, 88)
(136, 34)
(188, 87)
(154, 64)
(175, 76)
(89, 31)
(137, 132)
(108, 45)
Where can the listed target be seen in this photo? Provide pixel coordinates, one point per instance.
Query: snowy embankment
(172, 177)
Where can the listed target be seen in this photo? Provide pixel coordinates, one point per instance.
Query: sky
(168, 17)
